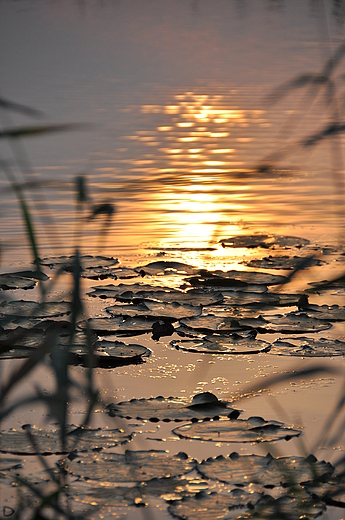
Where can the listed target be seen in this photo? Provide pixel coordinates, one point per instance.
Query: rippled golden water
(198, 166)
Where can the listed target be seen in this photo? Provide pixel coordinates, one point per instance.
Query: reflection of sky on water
(175, 92)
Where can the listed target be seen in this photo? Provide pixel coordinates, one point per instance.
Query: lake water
(181, 136)
(175, 94)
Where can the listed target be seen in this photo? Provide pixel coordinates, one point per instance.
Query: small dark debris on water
(162, 328)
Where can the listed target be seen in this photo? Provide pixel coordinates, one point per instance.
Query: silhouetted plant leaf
(105, 209)
(243, 470)
(206, 505)
(132, 466)
(172, 408)
(25, 110)
(10, 463)
(81, 190)
(32, 131)
(307, 347)
(234, 345)
(254, 429)
(332, 129)
(48, 441)
(301, 81)
(338, 281)
(20, 343)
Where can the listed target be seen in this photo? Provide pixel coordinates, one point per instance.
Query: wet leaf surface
(243, 470)
(30, 274)
(86, 261)
(296, 322)
(223, 325)
(141, 293)
(163, 268)
(26, 308)
(121, 326)
(234, 345)
(108, 495)
(132, 466)
(105, 354)
(249, 277)
(284, 262)
(330, 313)
(289, 506)
(206, 505)
(8, 282)
(254, 429)
(48, 441)
(308, 347)
(264, 241)
(20, 343)
(172, 409)
(151, 309)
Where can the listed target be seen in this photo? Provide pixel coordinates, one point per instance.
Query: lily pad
(108, 495)
(205, 405)
(212, 280)
(163, 268)
(223, 325)
(122, 326)
(8, 282)
(254, 429)
(150, 309)
(243, 470)
(264, 241)
(132, 466)
(25, 308)
(48, 441)
(291, 506)
(234, 345)
(86, 261)
(106, 354)
(257, 278)
(20, 343)
(330, 313)
(31, 275)
(238, 299)
(137, 291)
(295, 322)
(206, 505)
(307, 347)
(284, 262)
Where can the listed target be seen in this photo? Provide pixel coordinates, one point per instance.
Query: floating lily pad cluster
(231, 485)
(211, 312)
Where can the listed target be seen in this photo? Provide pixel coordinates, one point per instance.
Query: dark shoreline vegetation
(189, 309)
